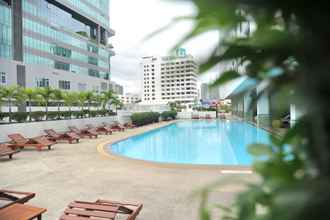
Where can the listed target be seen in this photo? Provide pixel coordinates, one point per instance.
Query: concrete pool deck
(80, 172)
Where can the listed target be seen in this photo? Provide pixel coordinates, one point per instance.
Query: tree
(29, 95)
(107, 97)
(11, 94)
(90, 97)
(81, 99)
(98, 98)
(46, 94)
(58, 96)
(69, 99)
(287, 50)
(116, 102)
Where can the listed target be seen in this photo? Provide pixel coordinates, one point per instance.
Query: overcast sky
(133, 20)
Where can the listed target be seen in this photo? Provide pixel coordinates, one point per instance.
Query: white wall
(188, 115)
(34, 129)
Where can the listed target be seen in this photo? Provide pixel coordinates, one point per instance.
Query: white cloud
(133, 20)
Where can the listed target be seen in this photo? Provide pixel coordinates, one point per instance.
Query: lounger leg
(39, 217)
(49, 147)
(10, 156)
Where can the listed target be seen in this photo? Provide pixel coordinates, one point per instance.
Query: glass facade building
(69, 35)
(5, 31)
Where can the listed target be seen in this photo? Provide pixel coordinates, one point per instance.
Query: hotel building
(169, 79)
(58, 43)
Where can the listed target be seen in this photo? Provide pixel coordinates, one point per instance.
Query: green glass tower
(60, 42)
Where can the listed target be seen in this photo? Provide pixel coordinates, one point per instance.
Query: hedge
(144, 118)
(168, 115)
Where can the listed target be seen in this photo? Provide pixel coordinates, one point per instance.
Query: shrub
(93, 113)
(38, 116)
(3, 115)
(145, 118)
(19, 116)
(53, 116)
(78, 114)
(65, 114)
(168, 115)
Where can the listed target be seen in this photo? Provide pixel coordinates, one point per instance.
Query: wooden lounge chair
(8, 150)
(100, 129)
(68, 136)
(9, 197)
(129, 125)
(37, 142)
(117, 127)
(90, 133)
(21, 212)
(195, 117)
(101, 209)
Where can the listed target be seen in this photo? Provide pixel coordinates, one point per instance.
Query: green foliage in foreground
(286, 50)
(144, 118)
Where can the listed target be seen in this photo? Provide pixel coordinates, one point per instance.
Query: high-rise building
(208, 93)
(169, 79)
(58, 43)
(116, 88)
(130, 98)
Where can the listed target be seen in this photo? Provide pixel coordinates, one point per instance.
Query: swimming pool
(203, 142)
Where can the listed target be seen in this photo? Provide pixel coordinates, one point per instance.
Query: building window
(3, 78)
(63, 84)
(42, 82)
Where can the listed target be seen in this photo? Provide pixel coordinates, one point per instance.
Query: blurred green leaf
(260, 150)
(226, 77)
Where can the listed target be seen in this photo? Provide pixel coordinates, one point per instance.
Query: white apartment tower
(169, 79)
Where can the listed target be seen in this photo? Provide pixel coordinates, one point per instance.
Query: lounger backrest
(42, 140)
(51, 133)
(73, 128)
(18, 138)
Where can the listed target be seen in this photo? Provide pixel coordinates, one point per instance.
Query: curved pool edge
(107, 154)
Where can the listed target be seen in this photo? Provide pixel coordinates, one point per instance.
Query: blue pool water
(213, 142)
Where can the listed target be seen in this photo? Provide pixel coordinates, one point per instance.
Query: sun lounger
(101, 209)
(8, 150)
(68, 136)
(116, 126)
(21, 212)
(207, 116)
(100, 129)
(83, 132)
(9, 197)
(37, 142)
(129, 125)
(195, 117)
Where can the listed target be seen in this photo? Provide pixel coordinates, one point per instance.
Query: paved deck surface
(80, 172)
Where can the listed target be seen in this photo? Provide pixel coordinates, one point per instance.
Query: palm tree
(9, 94)
(69, 98)
(81, 99)
(58, 95)
(46, 94)
(90, 97)
(29, 94)
(116, 102)
(107, 96)
(98, 98)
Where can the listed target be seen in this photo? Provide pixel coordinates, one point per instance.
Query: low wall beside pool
(33, 129)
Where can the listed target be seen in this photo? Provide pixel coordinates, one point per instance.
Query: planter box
(32, 129)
